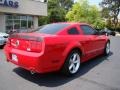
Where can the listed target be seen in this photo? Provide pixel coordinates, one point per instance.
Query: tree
(57, 10)
(83, 12)
(56, 15)
(66, 4)
(113, 9)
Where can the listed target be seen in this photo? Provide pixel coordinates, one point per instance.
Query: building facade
(21, 15)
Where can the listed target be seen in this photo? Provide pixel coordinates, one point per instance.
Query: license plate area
(14, 57)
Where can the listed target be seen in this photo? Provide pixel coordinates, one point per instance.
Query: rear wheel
(72, 63)
(107, 49)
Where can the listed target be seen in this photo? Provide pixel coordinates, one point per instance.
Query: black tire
(66, 67)
(106, 51)
(1, 46)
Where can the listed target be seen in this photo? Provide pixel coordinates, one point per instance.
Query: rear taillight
(34, 46)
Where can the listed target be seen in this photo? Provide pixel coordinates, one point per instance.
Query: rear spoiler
(26, 37)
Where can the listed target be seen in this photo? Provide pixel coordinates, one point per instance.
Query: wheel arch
(77, 49)
(75, 46)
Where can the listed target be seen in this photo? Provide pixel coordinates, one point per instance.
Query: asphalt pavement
(101, 73)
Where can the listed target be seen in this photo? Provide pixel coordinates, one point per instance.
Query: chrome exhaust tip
(32, 72)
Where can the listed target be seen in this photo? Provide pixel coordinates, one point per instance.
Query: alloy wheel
(74, 63)
(107, 48)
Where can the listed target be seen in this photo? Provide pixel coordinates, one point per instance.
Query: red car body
(41, 53)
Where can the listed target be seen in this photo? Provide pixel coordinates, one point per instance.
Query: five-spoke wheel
(72, 63)
(107, 49)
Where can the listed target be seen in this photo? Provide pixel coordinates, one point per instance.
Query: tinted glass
(51, 28)
(18, 23)
(87, 30)
(73, 31)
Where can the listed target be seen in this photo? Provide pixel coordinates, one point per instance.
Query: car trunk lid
(27, 42)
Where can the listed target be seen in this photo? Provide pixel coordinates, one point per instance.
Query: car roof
(72, 23)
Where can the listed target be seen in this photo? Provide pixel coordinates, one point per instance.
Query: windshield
(51, 28)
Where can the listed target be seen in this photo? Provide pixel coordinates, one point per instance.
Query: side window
(73, 31)
(87, 30)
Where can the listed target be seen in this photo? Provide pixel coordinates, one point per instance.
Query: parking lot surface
(101, 73)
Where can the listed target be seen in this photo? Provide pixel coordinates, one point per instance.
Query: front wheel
(107, 49)
(72, 63)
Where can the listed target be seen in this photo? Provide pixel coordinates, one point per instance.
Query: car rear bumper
(28, 60)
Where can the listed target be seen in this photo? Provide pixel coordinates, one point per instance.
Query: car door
(91, 41)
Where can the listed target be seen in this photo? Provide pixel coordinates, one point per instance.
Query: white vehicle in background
(3, 38)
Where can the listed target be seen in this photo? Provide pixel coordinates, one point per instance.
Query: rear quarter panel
(58, 47)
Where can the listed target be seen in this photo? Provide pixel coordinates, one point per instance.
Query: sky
(94, 2)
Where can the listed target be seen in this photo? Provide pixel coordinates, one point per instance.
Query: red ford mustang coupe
(57, 46)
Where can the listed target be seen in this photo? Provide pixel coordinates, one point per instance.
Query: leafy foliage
(111, 9)
(57, 10)
(83, 12)
(66, 4)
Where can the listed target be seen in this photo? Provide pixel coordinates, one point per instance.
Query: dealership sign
(9, 3)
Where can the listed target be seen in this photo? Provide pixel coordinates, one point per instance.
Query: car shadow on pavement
(58, 79)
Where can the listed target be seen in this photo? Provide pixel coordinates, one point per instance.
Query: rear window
(51, 28)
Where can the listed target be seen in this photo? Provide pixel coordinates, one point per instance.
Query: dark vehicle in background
(108, 32)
